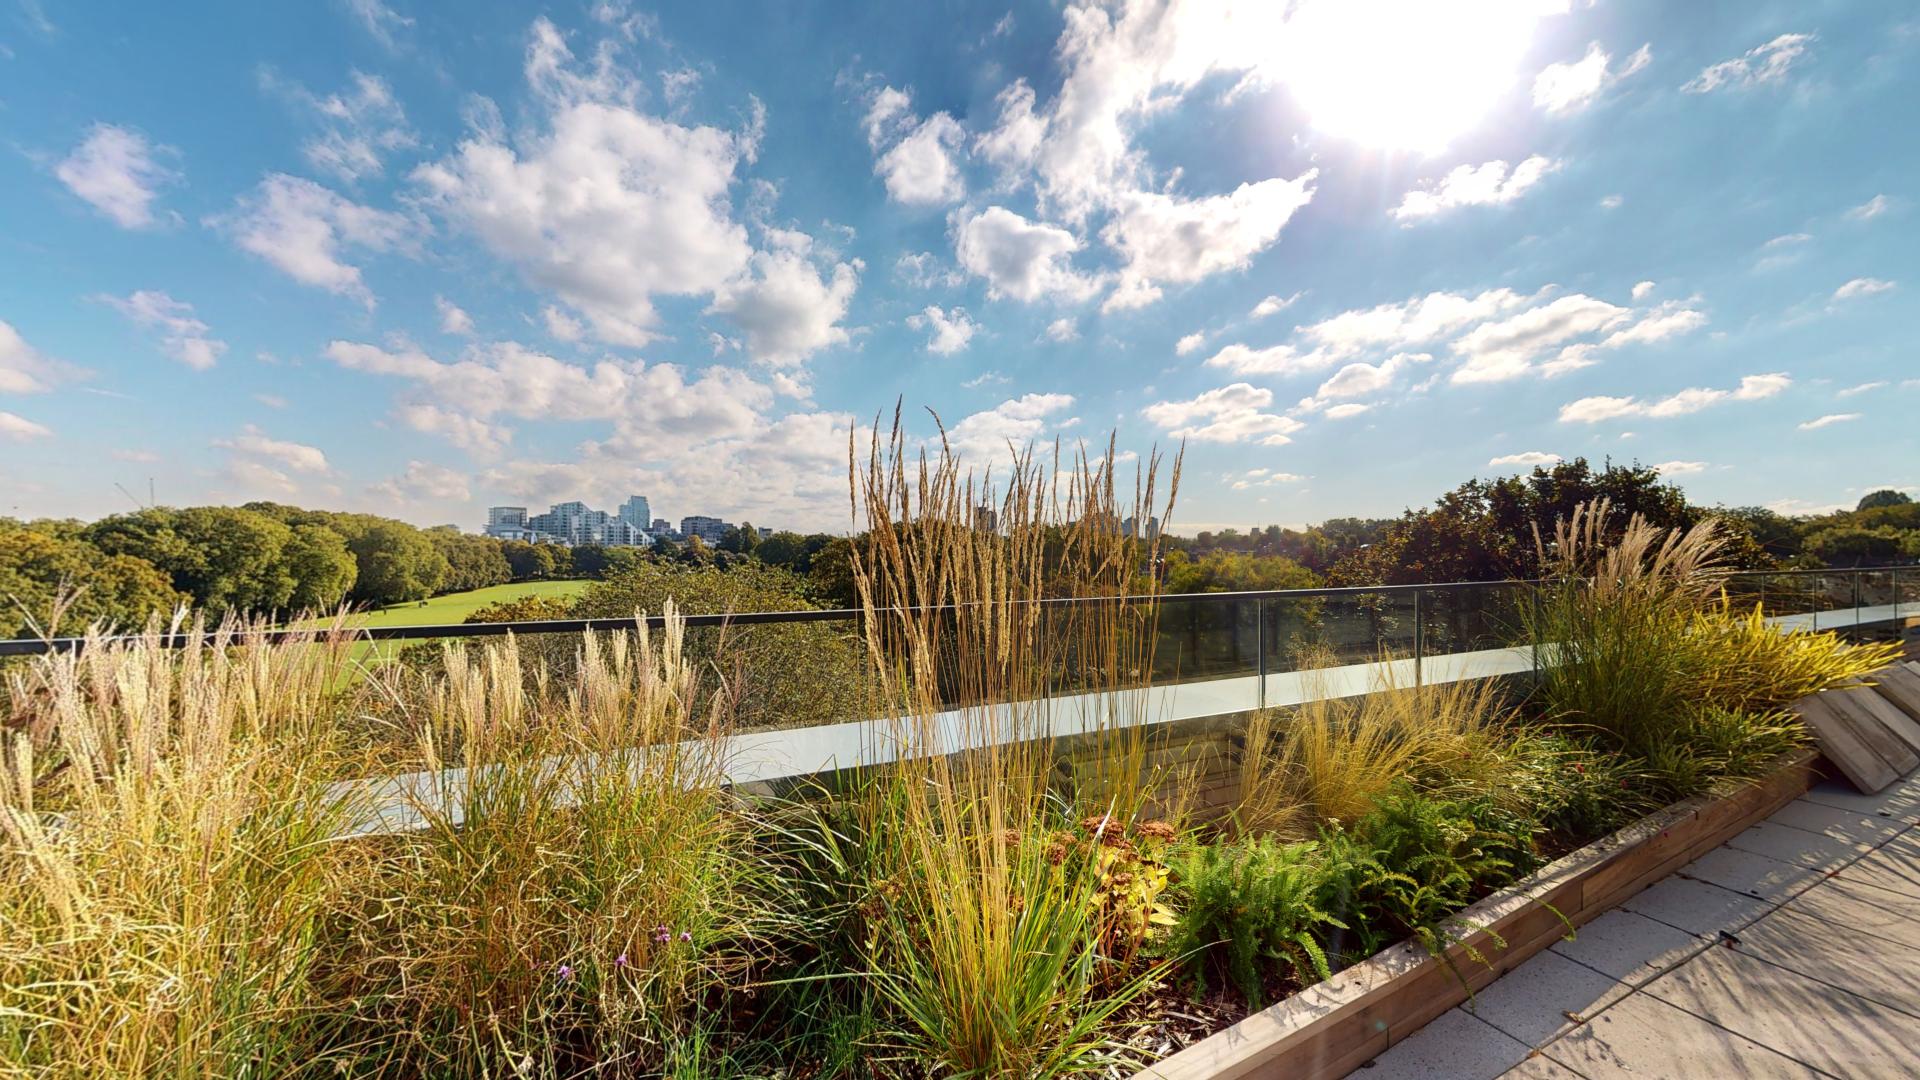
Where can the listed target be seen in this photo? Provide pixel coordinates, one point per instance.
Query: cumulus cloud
(1526, 459)
(1563, 89)
(1593, 410)
(990, 436)
(1021, 259)
(1266, 478)
(182, 336)
(950, 330)
(1164, 239)
(1062, 330)
(17, 428)
(424, 481)
(1360, 380)
(1862, 286)
(453, 318)
(25, 369)
(1680, 468)
(304, 230)
(1189, 343)
(1759, 66)
(257, 444)
(607, 207)
(115, 169)
(1642, 289)
(1229, 414)
(1829, 420)
(1272, 305)
(1490, 184)
(357, 126)
(914, 158)
(924, 270)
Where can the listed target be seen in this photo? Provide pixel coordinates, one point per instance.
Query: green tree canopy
(323, 569)
(397, 563)
(44, 574)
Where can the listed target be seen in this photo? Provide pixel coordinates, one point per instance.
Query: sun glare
(1406, 74)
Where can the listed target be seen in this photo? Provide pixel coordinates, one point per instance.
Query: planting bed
(1331, 1028)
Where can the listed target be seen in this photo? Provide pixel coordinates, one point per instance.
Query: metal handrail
(1260, 598)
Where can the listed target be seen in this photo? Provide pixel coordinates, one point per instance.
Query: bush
(1248, 912)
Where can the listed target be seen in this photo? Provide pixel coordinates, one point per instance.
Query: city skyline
(268, 253)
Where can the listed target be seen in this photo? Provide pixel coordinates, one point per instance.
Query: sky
(417, 259)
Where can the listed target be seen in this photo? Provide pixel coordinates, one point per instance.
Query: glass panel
(1473, 617)
(1206, 638)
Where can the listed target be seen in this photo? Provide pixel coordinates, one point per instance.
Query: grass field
(452, 608)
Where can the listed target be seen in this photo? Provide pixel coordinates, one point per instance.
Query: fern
(1249, 911)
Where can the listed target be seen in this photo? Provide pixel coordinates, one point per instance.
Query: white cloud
(1680, 468)
(1165, 239)
(1612, 202)
(1343, 412)
(302, 228)
(1525, 459)
(1829, 420)
(1862, 286)
(17, 428)
(1870, 209)
(257, 444)
(1642, 289)
(1021, 259)
(424, 481)
(1568, 88)
(1469, 185)
(1360, 380)
(985, 378)
(917, 165)
(271, 401)
(453, 318)
(1062, 330)
(788, 311)
(1272, 305)
(986, 437)
(1266, 478)
(1229, 414)
(1385, 328)
(561, 326)
(1863, 388)
(379, 20)
(1593, 410)
(25, 369)
(924, 270)
(182, 337)
(1768, 63)
(115, 170)
(1189, 343)
(951, 330)
(1509, 348)
(358, 126)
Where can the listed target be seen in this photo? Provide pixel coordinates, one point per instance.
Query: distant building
(1151, 532)
(986, 518)
(710, 529)
(636, 513)
(573, 523)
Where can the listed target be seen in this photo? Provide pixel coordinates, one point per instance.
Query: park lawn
(449, 609)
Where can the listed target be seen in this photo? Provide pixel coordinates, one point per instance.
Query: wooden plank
(1849, 754)
(1874, 700)
(1852, 707)
(1900, 685)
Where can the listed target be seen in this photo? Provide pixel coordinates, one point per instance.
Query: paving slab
(1813, 1022)
(1631, 948)
(1852, 907)
(1697, 907)
(1754, 875)
(1895, 867)
(1545, 996)
(1454, 1047)
(1540, 1067)
(1645, 1037)
(1798, 846)
(1840, 824)
(1900, 800)
(1873, 968)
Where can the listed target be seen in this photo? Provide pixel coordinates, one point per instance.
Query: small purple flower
(685, 936)
(620, 961)
(662, 934)
(566, 972)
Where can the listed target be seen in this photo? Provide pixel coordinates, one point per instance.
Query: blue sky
(418, 259)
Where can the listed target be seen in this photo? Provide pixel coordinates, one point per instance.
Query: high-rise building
(636, 513)
(710, 529)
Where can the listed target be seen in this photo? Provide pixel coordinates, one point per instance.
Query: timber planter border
(1335, 1026)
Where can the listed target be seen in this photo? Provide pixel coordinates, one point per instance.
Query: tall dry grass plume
(989, 946)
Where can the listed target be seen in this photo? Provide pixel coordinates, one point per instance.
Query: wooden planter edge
(1333, 1027)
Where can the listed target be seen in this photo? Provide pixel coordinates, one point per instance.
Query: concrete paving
(1791, 951)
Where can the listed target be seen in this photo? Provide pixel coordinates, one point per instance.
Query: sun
(1405, 74)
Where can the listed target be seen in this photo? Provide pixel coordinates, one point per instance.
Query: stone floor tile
(1754, 875)
(1898, 800)
(1696, 906)
(1798, 846)
(1532, 1002)
(1816, 1023)
(1631, 948)
(1455, 1047)
(1850, 906)
(1840, 824)
(1874, 968)
(1540, 1067)
(1645, 1037)
(1895, 867)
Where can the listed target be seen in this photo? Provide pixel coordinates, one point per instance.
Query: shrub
(1248, 913)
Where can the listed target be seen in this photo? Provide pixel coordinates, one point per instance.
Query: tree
(1883, 497)
(1232, 571)
(528, 562)
(238, 559)
(397, 563)
(323, 569)
(44, 573)
(473, 562)
(830, 577)
(740, 539)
